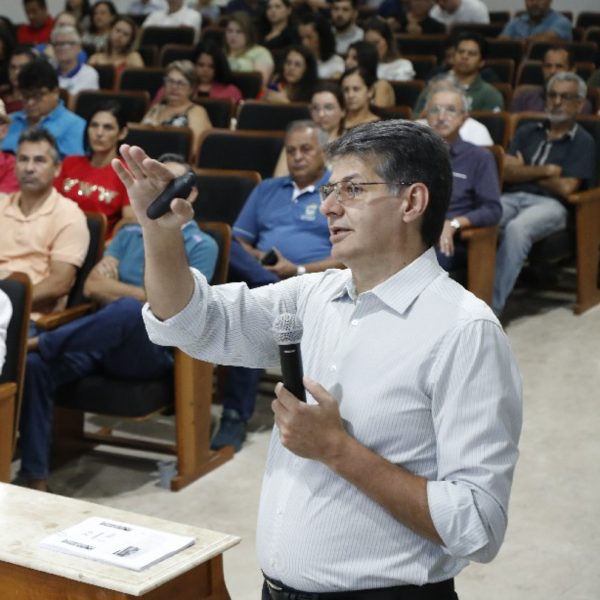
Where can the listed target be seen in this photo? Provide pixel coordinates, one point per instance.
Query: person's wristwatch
(455, 224)
(300, 270)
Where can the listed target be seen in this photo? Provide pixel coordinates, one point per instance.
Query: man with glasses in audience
(42, 107)
(397, 471)
(546, 162)
(475, 200)
(73, 75)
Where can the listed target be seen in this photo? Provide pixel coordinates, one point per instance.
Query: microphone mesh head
(287, 329)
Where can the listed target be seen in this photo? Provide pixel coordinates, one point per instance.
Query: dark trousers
(239, 389)
(111, 341)
(436, 591)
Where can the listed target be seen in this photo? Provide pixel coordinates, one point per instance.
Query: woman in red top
(90, 180)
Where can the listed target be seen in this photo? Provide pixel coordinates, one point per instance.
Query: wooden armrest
(8, 390)
(60, 317)
(478, 233)
(592, 195)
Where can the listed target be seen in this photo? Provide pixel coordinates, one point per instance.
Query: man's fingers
(123, 174)
(131, 158)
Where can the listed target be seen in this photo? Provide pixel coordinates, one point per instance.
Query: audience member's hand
(145, 178)
(447, 239)
(108, 267)
(283, 268)
(553, 170)
(313, 431)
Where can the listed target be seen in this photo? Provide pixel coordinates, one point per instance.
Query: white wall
(13, 9)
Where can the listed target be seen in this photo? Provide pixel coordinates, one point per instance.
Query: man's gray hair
(448, 85)
(65, 30)
(568, 76)
(322, 136)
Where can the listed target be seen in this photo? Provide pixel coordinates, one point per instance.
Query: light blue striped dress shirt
(424, 377)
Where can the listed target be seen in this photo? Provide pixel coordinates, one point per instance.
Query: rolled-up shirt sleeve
(477, 413)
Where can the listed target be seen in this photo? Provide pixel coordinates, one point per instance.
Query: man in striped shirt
(397, 470)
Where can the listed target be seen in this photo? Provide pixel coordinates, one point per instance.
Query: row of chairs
(189, 389)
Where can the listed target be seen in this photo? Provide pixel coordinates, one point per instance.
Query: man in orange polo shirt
(44, 234)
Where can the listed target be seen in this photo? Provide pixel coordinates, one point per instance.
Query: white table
(30, 572)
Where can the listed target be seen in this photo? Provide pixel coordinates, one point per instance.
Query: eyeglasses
(436, 109)
(552, 95)
(64, 44)
(176, 82)
(34, 96)
(349, 191)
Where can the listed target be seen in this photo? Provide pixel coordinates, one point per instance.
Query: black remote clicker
(180, 187)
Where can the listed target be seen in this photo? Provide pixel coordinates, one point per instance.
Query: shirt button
(279, 511)
(333, 368)
(354, 322)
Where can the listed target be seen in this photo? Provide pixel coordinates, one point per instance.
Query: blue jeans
(239, 390)
(526, 219)
(112, 341)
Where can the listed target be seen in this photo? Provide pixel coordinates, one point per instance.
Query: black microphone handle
(291, 367)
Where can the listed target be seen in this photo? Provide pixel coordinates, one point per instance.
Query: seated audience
(344, 14)
(539, 23)
(39, 23)
(297, 78)
(241, 49)
(43, 107)
(283, 214)
(73, 76)
(5, 316)
(103, 15)
(145, 7)
(111, 341)
(416, 20)
(63, 19)
(471, 130)
(90, 180)
(44, 234)
(80, 9)
(7, 45)
(280, 30)
(469, 59)
(177, 14)
(177, 107)
(449, 12)
(120, 47)
(10, 93)
(316, 35)
(327, 110)
(475, 199)
(556, 60)
(391, 66)
(546, 162)
(364, 55)
(8, 178)
(357, 87)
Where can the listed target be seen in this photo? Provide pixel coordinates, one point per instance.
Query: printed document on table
(122, 544)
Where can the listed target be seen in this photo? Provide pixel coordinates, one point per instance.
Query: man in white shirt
(5, 315)
(460, 11)
(397, 470)
(73, 75)
(343, 16)
(177, 14)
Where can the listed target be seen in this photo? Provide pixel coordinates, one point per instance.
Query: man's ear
(416, 201)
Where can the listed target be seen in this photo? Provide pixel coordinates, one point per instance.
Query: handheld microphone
(287, 330)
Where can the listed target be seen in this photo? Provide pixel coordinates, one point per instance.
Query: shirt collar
(458, 146)
(45, 208)
(72, 72)
(545, 125)
(289, 182)
(401, 289)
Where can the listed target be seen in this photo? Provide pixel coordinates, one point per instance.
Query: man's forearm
(401, 493)
(109, 290)
(562, 186)
(524, 173)
(168, 281)
(49, 290)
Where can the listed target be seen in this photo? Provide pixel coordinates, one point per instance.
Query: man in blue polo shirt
(475, 199)
(42, 107)
(280, 217)
(112, 340)
(545, 163)
(538, 24)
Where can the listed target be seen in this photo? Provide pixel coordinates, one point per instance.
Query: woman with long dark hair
(103, 15)
(316, 35)
(90, 180)
(364, 55)
(296, 78)
(279, 28)
(391, 66)
(357, 85)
